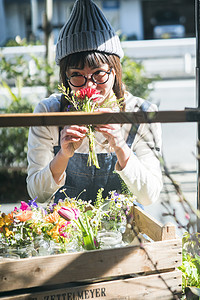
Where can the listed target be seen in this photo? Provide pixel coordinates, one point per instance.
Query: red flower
(86, 92)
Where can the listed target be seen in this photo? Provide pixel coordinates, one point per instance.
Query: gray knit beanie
(87, 29)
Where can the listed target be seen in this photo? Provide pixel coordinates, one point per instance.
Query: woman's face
(99, 75)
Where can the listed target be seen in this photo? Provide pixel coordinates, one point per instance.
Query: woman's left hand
(113, 134)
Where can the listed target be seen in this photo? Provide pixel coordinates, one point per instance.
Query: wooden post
(34, 17)
(48, 29)
(168, 232)
(197, 24)
(49, 40)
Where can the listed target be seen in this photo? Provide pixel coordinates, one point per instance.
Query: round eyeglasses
(98, 77)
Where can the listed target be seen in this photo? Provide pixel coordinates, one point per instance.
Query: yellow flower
(8, 232)
(54, 233)
(5, 220)
(1, 222)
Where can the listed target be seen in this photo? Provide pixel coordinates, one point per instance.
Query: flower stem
(92, 157)
(87, 235)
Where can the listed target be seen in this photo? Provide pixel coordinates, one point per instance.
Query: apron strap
(144, 107)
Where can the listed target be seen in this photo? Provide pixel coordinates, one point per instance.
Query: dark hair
(93, 59)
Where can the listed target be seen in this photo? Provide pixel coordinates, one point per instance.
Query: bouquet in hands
(87, 100)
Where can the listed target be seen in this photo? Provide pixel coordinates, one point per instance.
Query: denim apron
(87, 180)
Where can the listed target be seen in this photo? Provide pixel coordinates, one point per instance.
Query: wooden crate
(148, 271)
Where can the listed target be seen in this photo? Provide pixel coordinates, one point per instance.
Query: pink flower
(24, 206)
(68, 213)
(187, 216)
(62, 231)
(87, 92)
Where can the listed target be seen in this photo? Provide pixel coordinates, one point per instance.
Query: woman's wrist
(58, 166)
(123, 154)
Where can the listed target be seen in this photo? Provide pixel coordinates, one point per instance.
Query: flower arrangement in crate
(89, 100)
(68, 226)
(29, 225)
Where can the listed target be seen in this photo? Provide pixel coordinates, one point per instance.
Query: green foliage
(21, 42)
(137, 83)
(33, 72)
(99, 199)
(190, 270)
(13, 140)
(191, 261)
(18, 71)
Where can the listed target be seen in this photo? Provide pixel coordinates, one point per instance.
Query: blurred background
(158, 38)
(134, 19)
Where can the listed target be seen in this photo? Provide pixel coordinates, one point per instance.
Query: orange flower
(24, 215)
(11, 215)
(52, 218)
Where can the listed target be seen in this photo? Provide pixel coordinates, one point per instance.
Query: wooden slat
(69, 118)
(162, 286)
(74, 267)
(151, 227)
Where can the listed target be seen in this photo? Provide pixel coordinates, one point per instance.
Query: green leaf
(6, 86)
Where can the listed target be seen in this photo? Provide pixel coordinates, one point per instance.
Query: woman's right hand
(71, 138)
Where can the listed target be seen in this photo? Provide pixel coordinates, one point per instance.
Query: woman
(88, 53)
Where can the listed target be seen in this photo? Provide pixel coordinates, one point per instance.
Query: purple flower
(51, 207)
(32, 203)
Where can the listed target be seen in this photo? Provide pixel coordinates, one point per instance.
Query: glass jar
(21, 252)
(109, 239)
(110, 225)
(3, 247)
(73, 246)
(55, 248)
(42, 246)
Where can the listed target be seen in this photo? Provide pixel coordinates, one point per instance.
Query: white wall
(131, 18)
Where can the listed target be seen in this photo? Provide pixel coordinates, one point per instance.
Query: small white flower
(118, 205)
(94, 222)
